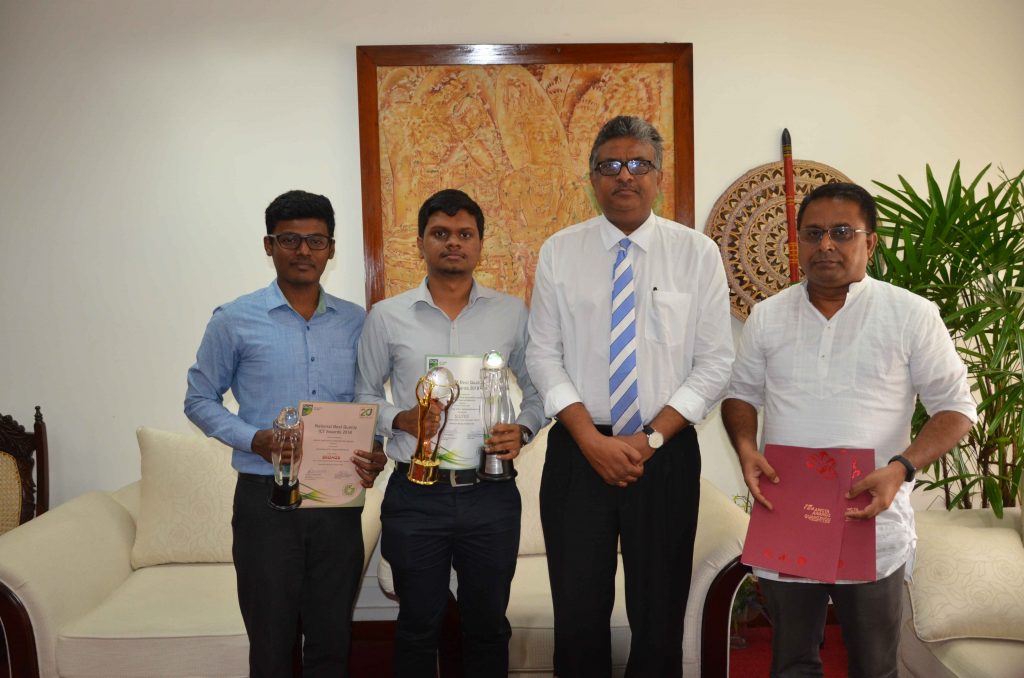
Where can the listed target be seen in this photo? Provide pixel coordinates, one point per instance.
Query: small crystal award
(286, 454)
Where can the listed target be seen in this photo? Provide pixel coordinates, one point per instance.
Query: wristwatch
(654, 438)
(911, 471)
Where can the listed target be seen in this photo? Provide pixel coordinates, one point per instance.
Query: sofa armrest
(721, 529)
(57, 567)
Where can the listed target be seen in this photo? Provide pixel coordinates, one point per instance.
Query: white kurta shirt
(684, 336)
(852, 381)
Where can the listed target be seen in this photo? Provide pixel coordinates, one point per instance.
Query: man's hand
(263, 444)
(615, 460)
(506, 439)
(882, 484)
(638, 441)
(754, 466)
(408, 420)
(369, 464)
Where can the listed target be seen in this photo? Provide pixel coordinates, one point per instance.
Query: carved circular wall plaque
(749, 224)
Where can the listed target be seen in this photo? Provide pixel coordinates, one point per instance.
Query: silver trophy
(496, 408)
(286, 455)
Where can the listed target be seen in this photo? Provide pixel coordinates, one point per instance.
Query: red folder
(807, 534)
(857, 554)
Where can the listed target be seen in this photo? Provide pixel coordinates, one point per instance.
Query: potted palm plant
(964, 250)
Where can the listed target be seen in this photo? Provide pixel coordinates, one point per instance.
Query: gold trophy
(438, 384)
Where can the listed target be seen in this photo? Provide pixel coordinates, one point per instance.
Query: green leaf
(964, 251)
(995, 499)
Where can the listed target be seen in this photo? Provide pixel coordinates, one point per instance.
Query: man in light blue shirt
(288, 342)
(459, 522)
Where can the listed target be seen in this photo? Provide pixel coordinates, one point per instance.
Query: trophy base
(495, 470)
(423, 471)
(284, 498)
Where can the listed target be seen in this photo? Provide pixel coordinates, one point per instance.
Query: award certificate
(332, 432)
(807, 535)
(463, 437)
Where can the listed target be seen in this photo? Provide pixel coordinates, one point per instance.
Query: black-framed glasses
(292, 241)
(611, 168)
(813, 236)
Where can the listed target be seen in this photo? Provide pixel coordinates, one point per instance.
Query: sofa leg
(714, 642)
(18, 637)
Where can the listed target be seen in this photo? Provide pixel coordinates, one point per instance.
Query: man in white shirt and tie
(840, 361)
(630, 344)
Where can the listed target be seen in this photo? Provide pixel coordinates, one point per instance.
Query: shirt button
(314, 391)
(312, 360)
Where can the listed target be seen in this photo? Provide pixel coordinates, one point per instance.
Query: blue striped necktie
(622, 356)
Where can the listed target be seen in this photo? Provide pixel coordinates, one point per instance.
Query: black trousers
(869, 615)
(584, 519)
(426, 531)
(296, 567)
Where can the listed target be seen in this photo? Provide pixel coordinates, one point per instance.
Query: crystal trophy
(286, 455)
(496, 408)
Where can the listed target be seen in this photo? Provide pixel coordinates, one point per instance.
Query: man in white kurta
(839, 361)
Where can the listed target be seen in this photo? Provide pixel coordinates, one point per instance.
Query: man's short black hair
(300, 205)
(842, 191)
(450, 201)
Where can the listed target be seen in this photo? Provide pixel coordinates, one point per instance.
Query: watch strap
(911, 471)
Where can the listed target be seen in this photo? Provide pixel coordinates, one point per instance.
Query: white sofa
(102, 586)
(963, 611)
(716, 574)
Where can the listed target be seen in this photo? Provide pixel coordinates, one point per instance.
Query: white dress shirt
(684, 337)
(852, 381)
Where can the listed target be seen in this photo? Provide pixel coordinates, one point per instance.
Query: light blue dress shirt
(270, 357)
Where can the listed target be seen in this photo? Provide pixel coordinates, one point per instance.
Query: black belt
(256, 478)
(446, 476)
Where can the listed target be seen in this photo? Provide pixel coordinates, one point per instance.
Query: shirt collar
(611, 235)
(276, 299)
(422, 293)
(855, 291)
(858, 288)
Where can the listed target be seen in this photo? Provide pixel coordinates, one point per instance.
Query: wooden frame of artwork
(503, 122)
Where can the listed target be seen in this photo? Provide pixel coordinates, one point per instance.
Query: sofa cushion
(968, 583)
(186, 496)
(198, 632)
(530, 465)
(532, 619)
(960, 657)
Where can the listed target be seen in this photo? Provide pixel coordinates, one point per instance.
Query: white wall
(140, 142)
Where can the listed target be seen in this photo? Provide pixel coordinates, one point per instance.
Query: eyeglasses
(611, 168)
(838, 234)
(291, 241)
